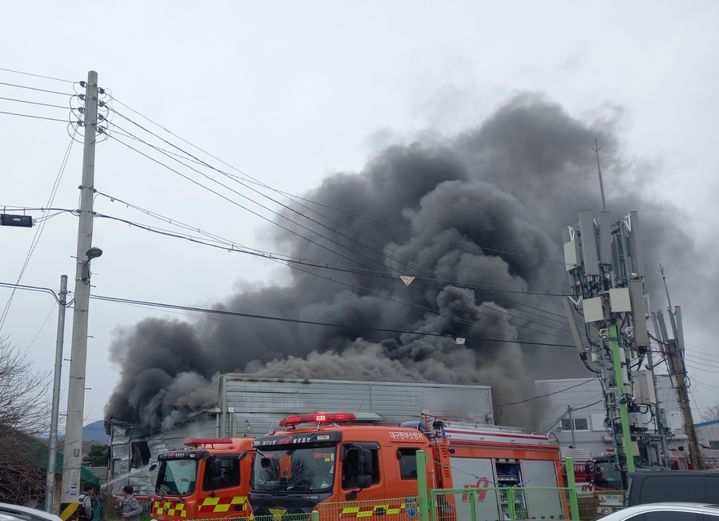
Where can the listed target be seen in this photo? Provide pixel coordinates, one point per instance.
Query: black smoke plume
(483, 208)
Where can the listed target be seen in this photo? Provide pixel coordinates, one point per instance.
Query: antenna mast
(596, 149)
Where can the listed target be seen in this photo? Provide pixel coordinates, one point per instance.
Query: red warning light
(319, 417)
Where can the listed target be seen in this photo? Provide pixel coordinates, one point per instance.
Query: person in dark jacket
(87, 503)
(130, 508)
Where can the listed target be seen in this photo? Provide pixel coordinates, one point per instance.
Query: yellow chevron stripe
(238, 500)
(350, 510)
(210, 501)
(222, 508)
(69, 511)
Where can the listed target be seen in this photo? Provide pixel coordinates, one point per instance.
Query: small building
(573, 409)
(708, 434)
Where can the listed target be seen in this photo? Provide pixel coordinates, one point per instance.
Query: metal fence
(395, 509)
(500, 504)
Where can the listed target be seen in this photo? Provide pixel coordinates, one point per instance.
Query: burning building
(472, 221)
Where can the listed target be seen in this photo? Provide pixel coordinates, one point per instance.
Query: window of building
(407, 458)
(221, 472)
(580, 424)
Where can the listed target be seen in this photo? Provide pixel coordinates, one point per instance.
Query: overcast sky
(290, 92)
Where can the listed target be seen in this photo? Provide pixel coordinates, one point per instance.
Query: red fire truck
(321, 458)
(209, 478)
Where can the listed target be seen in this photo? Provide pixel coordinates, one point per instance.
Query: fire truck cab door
(360, 471)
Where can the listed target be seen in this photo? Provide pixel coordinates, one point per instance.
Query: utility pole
(85, 253)
(54, 415)
(673, 348)
(571, 424)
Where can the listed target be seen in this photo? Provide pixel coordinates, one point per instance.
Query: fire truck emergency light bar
(319, 417)
(194, 442)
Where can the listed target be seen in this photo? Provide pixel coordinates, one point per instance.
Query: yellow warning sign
(69, 511)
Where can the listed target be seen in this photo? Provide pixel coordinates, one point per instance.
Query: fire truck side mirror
(364, 480)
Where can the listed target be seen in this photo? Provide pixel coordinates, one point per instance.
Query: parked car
(17, 512)
(666, 512)
(696, 486)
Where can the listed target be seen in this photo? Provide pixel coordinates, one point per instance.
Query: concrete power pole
(673, 349)
(85, 253)
(52, 442)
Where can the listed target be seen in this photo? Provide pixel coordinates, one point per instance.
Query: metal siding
(541, 504)
(260, 404)
(475, 473)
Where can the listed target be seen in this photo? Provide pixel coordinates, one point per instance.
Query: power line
(35, 103)
(39, 230)
(196, 160)
(232, 246)
(250, 179)
(232, 201)
(275, 212)
(17, 85)
(294, 263)
(479, 287)
(162, 305)
(36, 75)
(228, 245)
(548, 394)
(32, 116)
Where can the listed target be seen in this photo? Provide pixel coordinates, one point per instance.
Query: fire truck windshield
(306, 469)
(177, 477)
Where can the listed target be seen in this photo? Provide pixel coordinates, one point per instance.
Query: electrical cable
(17, 85)
(227, 245)
(480, 287)
(162, 305)
(548, 394)
(232, 201)
(33, 103)
(36, 75)
(278, 213)
(198, 161)
(234, 177)
(293, 263)
(26, 287)
(251, 179)
(41, 328)
(377, 248)
(38, 231)
(32, 116)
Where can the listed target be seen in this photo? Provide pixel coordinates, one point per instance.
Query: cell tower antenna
(596, 149)
(666, 288)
